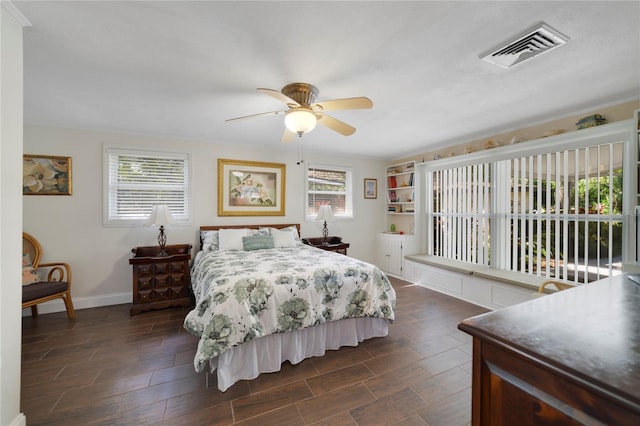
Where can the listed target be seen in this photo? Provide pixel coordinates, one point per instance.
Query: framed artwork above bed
(250, 188)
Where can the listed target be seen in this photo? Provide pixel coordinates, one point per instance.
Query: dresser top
(590, 333)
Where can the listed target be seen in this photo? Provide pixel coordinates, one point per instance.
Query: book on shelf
(392, 182)
(411, 179)
(393, 197)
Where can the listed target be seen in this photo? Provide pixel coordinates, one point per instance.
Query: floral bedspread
(242, 295)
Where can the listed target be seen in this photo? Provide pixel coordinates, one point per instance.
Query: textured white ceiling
(177, 68)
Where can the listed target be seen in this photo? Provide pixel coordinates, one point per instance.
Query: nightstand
(333, 244)
(160, 281)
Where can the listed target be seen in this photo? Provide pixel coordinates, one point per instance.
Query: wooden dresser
(568, 358)
(160, 281)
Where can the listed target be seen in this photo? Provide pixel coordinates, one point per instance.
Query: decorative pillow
(257, 242)
(283, 238)
(29, 275)
(231, 238)
(210, 241)
(261, 231)
(291, 229)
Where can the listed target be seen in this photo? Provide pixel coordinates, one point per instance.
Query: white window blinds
(135, 180)
(329, 185)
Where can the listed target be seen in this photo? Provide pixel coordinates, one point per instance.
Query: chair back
(32, 247)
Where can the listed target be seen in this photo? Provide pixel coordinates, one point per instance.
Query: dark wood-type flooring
(108, 368)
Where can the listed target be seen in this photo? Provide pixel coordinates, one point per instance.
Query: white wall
(70, 227)
(10, 216)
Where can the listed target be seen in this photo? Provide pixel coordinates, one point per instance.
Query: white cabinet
(400, 192)
(392, 248)
(390, 254)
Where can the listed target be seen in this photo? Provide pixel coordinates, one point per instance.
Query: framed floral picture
(46, 175)
(370, 188)
(250, 188)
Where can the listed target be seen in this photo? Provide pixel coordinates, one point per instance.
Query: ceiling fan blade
(337, 125)
(346, 103)
(254, 115)
(279, 96)
(288, 136)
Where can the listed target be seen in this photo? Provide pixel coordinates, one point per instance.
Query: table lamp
(161, 215)
(325, 215)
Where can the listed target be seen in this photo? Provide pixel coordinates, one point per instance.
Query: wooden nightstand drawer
(160, 281)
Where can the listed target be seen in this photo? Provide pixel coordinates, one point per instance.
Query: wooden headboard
(216, 227)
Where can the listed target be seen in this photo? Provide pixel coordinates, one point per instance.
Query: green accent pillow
(257, 242)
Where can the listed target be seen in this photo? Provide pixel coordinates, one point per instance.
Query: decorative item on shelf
(161, 215)
(552, 133)
(468, 149)
(591, 121)
(490, 144)
(436, 157)
(514, 140)
(325, 215)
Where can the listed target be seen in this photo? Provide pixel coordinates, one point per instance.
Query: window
(461, 213)
(137, 179)
(329, 185)
(565, 213)
(554, 214)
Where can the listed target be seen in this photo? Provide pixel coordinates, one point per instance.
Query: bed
(263, 297)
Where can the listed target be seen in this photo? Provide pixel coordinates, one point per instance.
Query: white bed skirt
(266, 354)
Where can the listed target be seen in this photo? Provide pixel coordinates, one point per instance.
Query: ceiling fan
(304, 113)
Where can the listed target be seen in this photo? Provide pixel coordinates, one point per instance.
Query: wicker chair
(57, 284)
(558, 284)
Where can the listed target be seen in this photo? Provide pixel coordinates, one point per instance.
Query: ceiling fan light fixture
(300, 120)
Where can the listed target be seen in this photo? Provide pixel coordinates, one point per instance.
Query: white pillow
(291, 229)
(231, 238)
(283, 239)
(209, 240)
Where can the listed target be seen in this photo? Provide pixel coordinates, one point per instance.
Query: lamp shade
(300, 120)
(160, 215)
(325, 214)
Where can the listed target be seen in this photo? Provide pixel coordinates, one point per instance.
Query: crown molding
(13, 10)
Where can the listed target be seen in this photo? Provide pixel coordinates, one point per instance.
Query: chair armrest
(58, 271)
(558, 284)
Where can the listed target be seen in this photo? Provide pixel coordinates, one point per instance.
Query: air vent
(536, 40)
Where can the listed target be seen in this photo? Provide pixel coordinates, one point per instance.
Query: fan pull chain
(300, 152)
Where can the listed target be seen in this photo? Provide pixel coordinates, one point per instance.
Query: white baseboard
(82, 303)
(21, 420)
